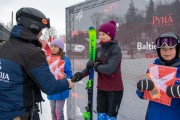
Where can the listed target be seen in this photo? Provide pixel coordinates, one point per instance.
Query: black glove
(96, 64)
(173, 91)
(77, 77)
(90, 64)
(145, 84)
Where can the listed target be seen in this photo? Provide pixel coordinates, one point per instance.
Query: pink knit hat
(109, 28)
(58, 42)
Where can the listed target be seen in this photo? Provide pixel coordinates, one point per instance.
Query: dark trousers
(109, 102)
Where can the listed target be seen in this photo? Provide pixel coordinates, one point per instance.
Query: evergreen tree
(131, 24)
(131, 13)
(176, 8)
(150, 12)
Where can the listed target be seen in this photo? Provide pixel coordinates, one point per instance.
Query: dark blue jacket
(24, 72)
(157, 111)
(65, 94)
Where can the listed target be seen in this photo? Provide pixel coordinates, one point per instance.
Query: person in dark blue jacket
(24, 70)
(168, 50)
(57, 100)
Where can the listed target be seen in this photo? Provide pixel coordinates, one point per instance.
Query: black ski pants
(109, 102)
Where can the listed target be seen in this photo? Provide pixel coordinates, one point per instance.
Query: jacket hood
(20, 32)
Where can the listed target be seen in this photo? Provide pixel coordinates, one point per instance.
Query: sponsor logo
(80, 15)
(146, 46)
(3, 76)
(162, 20)
(110, 7)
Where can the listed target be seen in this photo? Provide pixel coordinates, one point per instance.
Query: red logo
(162, 21)
(110, 7)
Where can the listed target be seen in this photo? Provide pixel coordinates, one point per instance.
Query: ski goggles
(171, 42)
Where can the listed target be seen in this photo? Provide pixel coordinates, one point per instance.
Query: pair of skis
(88, 115)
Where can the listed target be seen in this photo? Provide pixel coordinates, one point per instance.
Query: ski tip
(91, 28)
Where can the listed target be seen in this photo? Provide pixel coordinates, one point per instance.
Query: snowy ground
(132, 108)
(46, 111)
